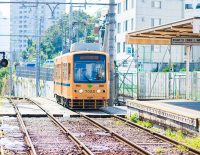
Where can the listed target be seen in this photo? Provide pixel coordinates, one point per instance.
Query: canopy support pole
(188, 49)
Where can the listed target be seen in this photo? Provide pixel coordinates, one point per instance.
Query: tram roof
(162, 35)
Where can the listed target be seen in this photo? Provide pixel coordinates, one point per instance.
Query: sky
(5, 8)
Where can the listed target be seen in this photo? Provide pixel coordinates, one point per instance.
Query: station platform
(180, 114)
(50, 105)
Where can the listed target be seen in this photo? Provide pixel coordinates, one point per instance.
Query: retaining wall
(26, 87)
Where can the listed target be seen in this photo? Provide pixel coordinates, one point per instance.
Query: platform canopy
(162, 35)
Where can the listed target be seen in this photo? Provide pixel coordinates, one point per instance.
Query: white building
(192, 9)
(24, 22)
(133, 15)
(4, 33)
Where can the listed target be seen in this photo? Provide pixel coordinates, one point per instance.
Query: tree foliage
(57, 36)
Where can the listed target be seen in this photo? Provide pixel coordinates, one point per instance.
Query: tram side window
(57, 71)
(69, 71)
(65, 71)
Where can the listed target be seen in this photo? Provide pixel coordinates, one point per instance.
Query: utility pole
(112, 51)
(11, 70)
(70, 25)
(170, 70)
(39, 21)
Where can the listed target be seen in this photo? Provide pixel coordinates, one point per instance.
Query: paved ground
(5, 107)
(180, 107)
(184, 104)
(54, 108)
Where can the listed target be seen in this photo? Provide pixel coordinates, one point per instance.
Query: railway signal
(3, 62)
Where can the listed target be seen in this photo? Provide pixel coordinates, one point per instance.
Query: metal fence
(127, 85)
(158, 85)
(30, 72)
(195, 86)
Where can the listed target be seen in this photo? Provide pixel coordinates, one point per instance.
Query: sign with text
(185, 41)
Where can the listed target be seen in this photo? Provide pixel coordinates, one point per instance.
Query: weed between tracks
(193, 142)
(135, 118)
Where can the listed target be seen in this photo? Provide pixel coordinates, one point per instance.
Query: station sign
(185, 41)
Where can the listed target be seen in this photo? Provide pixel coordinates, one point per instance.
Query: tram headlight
(81, 91)
(104, 91)
(98, 91)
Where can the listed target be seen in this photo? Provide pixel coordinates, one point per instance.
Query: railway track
(85, 135)
(98, 139)
(150, 141)
(48, 136)
(14, 139)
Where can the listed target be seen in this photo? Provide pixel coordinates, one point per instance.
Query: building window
(156, 4)
(118, 47)
(132, 24)
(188, 6)
(142, 19)
(119, 8)
(124, 47)
(198, 6)
(119, 28)
(155, 22)
(132, 3)
(126, 4)
(125, 25)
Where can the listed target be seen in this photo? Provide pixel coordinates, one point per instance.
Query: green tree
(83, 25)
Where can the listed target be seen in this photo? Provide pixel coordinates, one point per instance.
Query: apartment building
(192, 9)
(133, 15)
(4, 31)
(25, 18)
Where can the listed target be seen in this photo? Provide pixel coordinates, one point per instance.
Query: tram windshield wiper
(87, 78)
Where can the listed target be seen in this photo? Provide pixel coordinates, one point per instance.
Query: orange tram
(81, 79)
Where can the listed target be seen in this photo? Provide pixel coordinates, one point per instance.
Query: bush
(183, 70)
(134, 118)
(166, 69)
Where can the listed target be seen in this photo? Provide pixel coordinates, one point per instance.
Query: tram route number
(90, 91)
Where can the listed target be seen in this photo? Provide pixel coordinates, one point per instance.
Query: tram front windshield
(89, 68)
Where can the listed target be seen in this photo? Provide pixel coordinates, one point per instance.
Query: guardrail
(30, 72)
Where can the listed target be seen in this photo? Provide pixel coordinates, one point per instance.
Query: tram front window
(89, 68)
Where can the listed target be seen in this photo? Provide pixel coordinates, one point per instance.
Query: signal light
(4, 63)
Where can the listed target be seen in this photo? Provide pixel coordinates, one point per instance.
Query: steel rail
(1, 135)
(155, 134)
(82, 146)
(133, 145)
(23, 127)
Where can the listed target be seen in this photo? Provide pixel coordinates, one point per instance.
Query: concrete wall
(26, 87)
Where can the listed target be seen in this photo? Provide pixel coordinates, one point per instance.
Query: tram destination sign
(185, 41)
